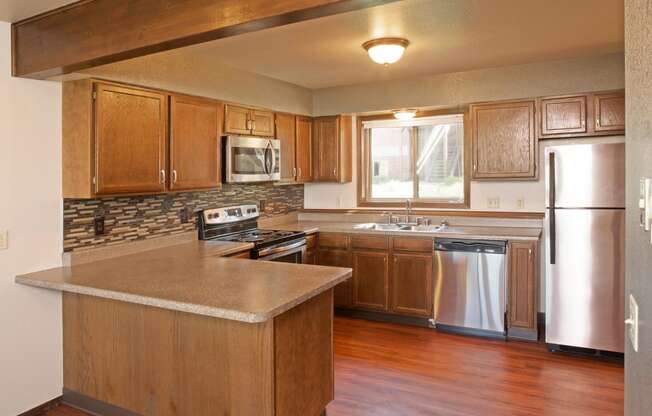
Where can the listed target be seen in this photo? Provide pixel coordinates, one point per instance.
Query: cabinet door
(327, 148)
(311, 257)
(286, 133)
(130, 140)
(504, 141)
(564, 115)
(370, 280)
(609, 112)
(304, 149)
(262, 123)
(522, 284)
(195, 134)
(236, 120)
(338, 258)
(412, 287)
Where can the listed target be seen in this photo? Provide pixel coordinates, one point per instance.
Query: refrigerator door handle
(551, 206)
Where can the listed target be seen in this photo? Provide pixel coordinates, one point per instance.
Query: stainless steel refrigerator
(585, 245)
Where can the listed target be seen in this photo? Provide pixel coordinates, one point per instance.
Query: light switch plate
(520, 203)
(4, 239)
(493, 202)
(632, 322)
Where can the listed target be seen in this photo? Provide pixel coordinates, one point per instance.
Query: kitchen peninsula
(181, 330)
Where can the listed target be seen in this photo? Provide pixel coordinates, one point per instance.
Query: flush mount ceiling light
(386, 51)
(407, 114)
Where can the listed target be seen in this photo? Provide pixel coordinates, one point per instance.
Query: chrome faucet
(408, 209)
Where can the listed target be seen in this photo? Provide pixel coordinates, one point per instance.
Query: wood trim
(433, 212)
(79, 35)
(362, 162)
(42, 409)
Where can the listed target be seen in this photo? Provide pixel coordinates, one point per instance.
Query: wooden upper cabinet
(582, 115)
(563, 115)
(286, 133)
(262, 123)
(248, 121)
(304, 152)
(371, 280)
(130, 140)
(504, 140)
(609, 112)
(236, 119)
(522, 283)
(332, 153)
(412, 284)
(195, 151)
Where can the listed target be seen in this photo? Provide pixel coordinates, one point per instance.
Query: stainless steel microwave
(251, 159)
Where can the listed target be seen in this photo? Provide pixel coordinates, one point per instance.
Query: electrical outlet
(338, 202)
(184, 215)
(493, 202)
(4, 239)
(520, 203)
(98, 225)
(261, 205)
(632, 322)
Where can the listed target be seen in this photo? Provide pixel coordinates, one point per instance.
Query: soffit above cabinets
(445, 36)
(15, 10)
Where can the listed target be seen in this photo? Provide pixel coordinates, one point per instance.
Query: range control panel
(230, 214)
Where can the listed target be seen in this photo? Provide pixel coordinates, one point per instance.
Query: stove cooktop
(262, 237)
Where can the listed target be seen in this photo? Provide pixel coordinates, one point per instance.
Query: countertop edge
(193, 308)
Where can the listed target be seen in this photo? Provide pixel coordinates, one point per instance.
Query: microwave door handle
(272, 152)
(269, 158)
(551, 208)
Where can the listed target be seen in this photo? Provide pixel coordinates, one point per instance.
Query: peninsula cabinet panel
(370, 280)
(522, 284)
(504, 140)
(195, 151)
(411, 284)
(563, 115)
(130, 140)
(286, 133)
(304, 150)
(332, 154)
(609, 112)
(337, 258)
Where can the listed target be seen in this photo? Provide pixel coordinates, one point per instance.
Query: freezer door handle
(551, 210)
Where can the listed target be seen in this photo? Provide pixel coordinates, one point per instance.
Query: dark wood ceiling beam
(96, 32)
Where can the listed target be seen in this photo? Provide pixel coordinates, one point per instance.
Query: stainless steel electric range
(240, 224)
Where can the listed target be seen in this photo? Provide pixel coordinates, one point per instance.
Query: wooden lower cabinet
(371, 280)
(338, 258)
(412, 284)
(522, 284)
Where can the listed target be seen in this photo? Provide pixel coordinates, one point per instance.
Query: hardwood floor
(391, 370)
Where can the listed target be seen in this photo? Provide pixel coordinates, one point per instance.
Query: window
(421, 159)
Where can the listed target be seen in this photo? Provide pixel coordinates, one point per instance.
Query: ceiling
(445, 35)
(15, 10)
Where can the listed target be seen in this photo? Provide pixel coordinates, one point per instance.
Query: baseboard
(40, 410)
(383, 317)
(93, 406)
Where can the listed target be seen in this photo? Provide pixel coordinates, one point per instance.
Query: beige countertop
(454, 231)
(191, 277)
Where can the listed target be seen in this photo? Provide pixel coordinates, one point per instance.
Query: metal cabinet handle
(294, 172)
(174, 176)
(299, 172)
(334, 171)
(253, 124)
(162, 176)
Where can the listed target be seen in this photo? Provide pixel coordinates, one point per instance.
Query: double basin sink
(372, 226)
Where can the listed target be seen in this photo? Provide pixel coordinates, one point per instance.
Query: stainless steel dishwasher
(470, 290)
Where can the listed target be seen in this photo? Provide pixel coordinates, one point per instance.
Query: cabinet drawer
(311, 241)
(373, 242)
(417, 244)
(334, 240)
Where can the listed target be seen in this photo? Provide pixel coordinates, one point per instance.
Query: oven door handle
(279, 249)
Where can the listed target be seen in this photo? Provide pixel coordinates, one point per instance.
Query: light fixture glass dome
(386, 51)
(407, 114)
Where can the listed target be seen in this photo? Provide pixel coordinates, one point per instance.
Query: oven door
(252, 159)
(291, 253)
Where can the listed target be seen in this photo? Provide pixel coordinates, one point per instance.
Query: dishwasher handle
(470, 246)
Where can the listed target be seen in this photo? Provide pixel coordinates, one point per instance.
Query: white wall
(450, 90)
(30, 208)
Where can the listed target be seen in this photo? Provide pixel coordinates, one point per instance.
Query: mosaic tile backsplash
(144, 217)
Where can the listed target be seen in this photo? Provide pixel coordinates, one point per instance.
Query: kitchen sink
(397, 227)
